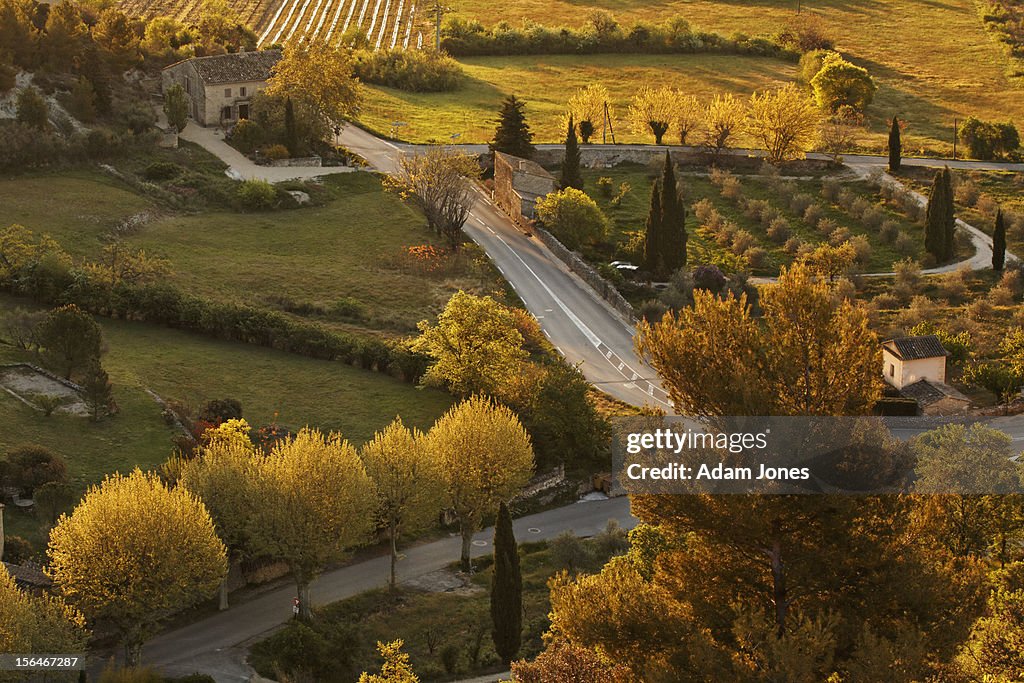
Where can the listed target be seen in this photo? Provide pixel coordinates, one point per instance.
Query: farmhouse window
(227, 92)
(188, 85)
(225, 113)
(242, 91)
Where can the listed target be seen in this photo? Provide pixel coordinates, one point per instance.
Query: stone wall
(586, 272)
(314, 161)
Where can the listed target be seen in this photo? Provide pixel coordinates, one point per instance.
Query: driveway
(241, 167)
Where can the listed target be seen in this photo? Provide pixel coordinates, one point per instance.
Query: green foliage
(570, 176)
(409, 70)
(248, 135)
(18, 550)
(506, 589)
(840, 83)
(291, 136)
(97, 392)
(602, 34)
(82, 101)
(53, 499)
(940, 221)
(958, 345)
(176, 107)
(573, 217)
(70, 338)
(811, 63)
(513, 136)
(257, 195)
(989, 140)
(32, 109)
(31, 466)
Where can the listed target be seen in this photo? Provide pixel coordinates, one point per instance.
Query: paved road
(577, 321)
(217, 645)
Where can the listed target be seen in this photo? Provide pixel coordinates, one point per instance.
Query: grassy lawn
(545, 82)
(348, 249)
(293, 390)
(631, 213)
(917, 50)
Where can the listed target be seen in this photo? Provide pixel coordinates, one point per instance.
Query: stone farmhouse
(518, 183)
(220, 87)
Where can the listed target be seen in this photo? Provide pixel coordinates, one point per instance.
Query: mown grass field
(933, 61)
(348, 249)
(292, 390)
(545, 82)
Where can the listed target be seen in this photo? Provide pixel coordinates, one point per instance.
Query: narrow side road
(217, 645)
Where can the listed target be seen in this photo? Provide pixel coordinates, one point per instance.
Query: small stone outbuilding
(518, 184)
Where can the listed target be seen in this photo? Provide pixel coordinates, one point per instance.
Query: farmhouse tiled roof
(236, 67)
(521, 165)
(916, 348)
(927, 393)
(28, 575)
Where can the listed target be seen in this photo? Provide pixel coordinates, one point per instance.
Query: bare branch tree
(439, 181)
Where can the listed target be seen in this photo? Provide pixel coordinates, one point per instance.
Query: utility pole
(438, 10)
(608, 121)
(955, 136)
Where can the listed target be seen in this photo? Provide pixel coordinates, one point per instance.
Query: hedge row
(466, 38)
(164, 304)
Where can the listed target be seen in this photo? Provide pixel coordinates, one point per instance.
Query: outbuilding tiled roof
(916, 348)
(236, 67)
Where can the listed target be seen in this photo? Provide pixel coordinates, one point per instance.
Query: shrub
(980, 309)
(858, 207)
(755, 208)
(793, 245)
(988, 140)
(830, 188)
(275, 152)
(813, 214)
(573, 217)
(798, 203)
(862, 247)
(838, 236)
(905, 244)
(727, 233)
(885, 301)
(32, 109)
(770, 215)
(987, 205)
(827, 226)
(256, 195)
(731, 188)
(604, 186)
(845, 199)
(30, 466)
(873, 217)
(410, 70)
(778, 231)
(708, 277)
(742, 241)
(702, 210)
(889, 231)
(161, 170)
(248, 136)
(840, 83)
(967, 192)
(756, 256)
(567, 549)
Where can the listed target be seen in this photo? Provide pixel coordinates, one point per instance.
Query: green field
(933, 61)
(271, 385)
(545, 82)
(348, 249)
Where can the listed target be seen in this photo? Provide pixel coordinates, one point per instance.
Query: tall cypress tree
(999, 242)
(513, 136)
(673, 219)
(895, 147)
(654, 235)
(506, 590)
(571, 161)
(940, 220)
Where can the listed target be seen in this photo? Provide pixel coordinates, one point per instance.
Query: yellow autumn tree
(689, 116)
(784, 122)
(723, 120)
(485, 457)
(475, 345)
(651, 111)
(314, 502)
(587, 108)
(30, 623)
(134, 551)
(407, 482)
(396, 668)
(319, 80)
(221, 476)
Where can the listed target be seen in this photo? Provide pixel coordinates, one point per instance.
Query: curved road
(578, 322)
